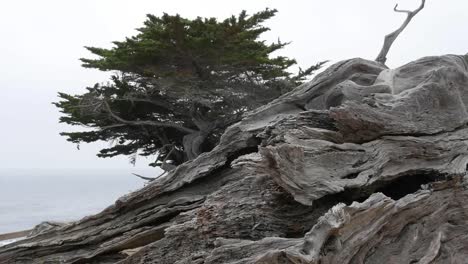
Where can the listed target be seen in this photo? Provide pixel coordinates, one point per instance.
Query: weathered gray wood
(362, 165)
(390, 38)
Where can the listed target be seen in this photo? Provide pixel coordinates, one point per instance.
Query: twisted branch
(162, 165)
(146, 122)
(390, 38)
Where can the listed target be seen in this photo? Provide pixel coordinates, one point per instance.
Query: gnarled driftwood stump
(362, 165)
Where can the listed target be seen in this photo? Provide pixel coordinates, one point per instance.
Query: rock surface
(362, 165)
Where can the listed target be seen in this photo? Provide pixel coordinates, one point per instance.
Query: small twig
(400, 11)
(390, 38)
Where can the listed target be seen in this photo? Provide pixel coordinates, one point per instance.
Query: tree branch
(111, 126)
(166, 166)
(155, 102)
(162, 165)
(146, 122)
(390, 38)
(144, 178)
(400, 11)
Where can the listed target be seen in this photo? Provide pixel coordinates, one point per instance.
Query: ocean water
(28, 197)
(9, 241)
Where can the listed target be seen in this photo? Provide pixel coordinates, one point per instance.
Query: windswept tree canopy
(178, 84)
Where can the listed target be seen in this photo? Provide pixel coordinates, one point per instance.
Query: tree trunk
(193, 143)
(361, 165)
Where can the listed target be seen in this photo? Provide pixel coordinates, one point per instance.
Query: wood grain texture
(364, 164)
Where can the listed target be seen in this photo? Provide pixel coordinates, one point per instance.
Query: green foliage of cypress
(178, 84)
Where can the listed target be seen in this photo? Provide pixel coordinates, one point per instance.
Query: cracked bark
(362, 165)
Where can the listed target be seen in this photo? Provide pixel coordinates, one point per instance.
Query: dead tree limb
(390, 38)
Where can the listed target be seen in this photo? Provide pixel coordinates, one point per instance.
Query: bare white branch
(401, 11)
(390, 38)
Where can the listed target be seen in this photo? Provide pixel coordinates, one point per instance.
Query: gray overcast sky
(41, 42)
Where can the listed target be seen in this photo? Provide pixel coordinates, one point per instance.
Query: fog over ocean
(28, 197)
